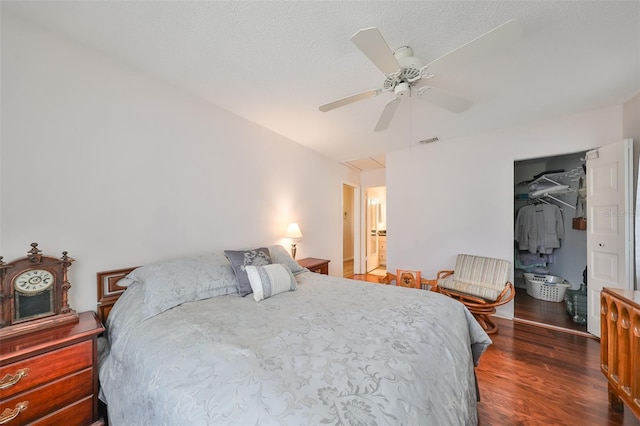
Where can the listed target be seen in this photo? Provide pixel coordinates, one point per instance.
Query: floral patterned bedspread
(334, 351)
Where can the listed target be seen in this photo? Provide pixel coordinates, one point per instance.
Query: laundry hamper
(546, 287)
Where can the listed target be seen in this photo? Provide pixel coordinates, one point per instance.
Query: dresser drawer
(319, 266)
(323, 269)
(50, 397)
(46, 367)
(78, 414)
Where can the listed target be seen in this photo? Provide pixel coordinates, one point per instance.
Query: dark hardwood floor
(528, 308)
(533, 375)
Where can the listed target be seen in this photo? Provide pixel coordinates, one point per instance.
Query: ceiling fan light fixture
(403, 52)
(409, 64)
(402, 89)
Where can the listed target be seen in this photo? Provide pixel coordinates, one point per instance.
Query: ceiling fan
(405, 75)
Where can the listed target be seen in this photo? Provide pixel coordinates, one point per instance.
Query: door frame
(570, 261)
(371, 204)
(356, 224)
(363, 228)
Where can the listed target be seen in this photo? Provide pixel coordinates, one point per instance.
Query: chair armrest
(508, 293)
(433, 284)
(444, 274)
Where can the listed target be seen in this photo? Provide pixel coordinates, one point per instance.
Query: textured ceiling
(274, 63)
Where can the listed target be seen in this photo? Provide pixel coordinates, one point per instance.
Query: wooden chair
(406, 278)
(480, 283)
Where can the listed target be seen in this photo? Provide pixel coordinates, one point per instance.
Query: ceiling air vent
(426, 141)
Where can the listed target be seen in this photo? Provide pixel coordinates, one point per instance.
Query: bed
(183, 347)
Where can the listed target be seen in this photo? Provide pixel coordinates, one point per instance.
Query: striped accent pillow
(269, 280)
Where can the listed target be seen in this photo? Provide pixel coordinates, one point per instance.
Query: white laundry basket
(546, 287)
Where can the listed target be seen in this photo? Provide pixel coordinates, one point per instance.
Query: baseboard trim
(556, 328)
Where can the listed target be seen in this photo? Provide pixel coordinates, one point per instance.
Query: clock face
(33, 281)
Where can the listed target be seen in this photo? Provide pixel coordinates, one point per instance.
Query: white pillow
(269, 280)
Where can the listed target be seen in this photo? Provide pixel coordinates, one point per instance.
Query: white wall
(456, 196)
(119, 169)
(374, 177)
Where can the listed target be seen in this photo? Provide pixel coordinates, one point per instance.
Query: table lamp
(294, 233)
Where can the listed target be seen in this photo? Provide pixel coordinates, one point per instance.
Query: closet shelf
(553, 183)
(574, 175)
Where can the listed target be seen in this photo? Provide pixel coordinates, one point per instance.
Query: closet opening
(550, 246)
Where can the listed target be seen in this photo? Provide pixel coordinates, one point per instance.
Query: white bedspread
(335, 351)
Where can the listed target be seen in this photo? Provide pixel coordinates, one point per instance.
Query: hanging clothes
(539, 228)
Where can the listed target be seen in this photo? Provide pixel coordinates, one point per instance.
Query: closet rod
(559, 201)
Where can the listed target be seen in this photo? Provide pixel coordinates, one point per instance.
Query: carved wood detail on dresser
(620, 347)
(51, 376)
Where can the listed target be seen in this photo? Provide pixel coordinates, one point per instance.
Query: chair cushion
(484, 277)
(475, 290)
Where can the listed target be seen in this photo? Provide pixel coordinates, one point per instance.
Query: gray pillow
(280, 255)
(241, 258)
(175, 281)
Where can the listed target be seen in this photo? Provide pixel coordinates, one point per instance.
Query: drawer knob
(9, 414)
(10, 380)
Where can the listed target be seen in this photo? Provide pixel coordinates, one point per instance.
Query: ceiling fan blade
(373, 45)
(444, 99)
(387, 114)
(349, 100)
(498, 38)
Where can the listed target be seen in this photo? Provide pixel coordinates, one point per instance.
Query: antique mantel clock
(34, 293)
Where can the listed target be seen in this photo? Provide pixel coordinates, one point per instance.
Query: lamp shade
(293, 231)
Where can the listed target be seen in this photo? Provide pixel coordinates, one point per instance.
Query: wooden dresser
(320, 266)
(51, 376)
(620, 347)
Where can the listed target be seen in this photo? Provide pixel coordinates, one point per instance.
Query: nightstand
(320, 266)
(51, 376)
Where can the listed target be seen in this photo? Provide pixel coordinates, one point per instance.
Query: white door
(609, 224)
(372, 232)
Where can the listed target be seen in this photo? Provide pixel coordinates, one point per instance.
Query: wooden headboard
(109, 291)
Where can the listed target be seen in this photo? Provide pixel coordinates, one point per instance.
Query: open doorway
(348, 229)
(376, 230)
(550, 273)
